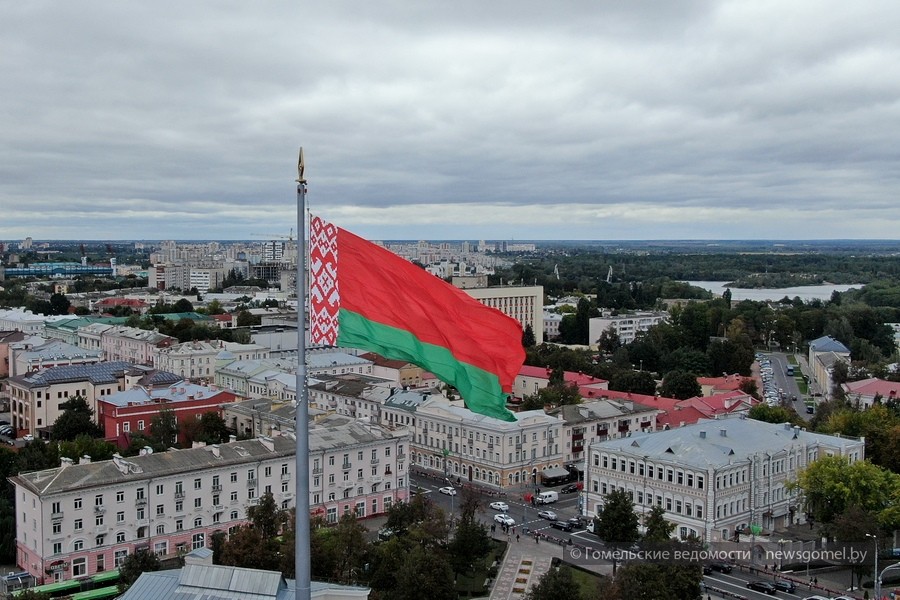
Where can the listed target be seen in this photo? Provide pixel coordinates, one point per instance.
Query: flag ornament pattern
(364, 296)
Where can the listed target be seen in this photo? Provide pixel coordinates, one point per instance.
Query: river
(805, 292)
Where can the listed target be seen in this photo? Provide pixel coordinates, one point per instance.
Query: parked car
(504, 519)
(784, 585)
(386, 533)
(28, 437)
(721, 567)
(450, 491)
(563, 525)
(547, 514)
(569, 488)
(707, 570)
(762, 586)
(501, 506)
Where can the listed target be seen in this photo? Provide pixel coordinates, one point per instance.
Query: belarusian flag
(364, 296)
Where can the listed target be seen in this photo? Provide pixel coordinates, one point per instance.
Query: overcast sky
(611, 119)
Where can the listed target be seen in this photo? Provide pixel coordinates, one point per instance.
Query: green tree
(774, 414)
(183, 305)
(33, 595)
(617, 523)
(636, 382)
(59, 304)
(679, 384)
(76, 419)
(470, 544)
(424, 574)
(163, 430)
(528, 339)
(556, 584)
(608, 341)
(656, 528)
(140, 561)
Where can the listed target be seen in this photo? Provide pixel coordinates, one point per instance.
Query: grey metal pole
(301, 423)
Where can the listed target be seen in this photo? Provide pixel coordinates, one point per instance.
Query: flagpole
(301, 423)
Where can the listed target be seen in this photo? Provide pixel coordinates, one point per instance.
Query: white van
(547, 497)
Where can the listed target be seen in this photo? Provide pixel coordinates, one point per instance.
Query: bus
(789, 370)
(97, 587)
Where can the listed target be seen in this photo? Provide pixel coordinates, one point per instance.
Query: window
(57, 547)
(251, 474)
(120, 537)
(140, 425)
(161, 529)
(284, 469)
(161, 548)
(159, 489)
(56, 508)
(179, 524)
(119, 557)
(99, 540)
(251, 493)
(179, 506)
(197, 484)
(120, 517)
(198, 522)
(79, 567)
(98, 500)
(268, 471)
(197, 541)
(198, 502)
(234, 496)
(126, 426)
(77, 503)
(98, 520)
(57, 527)
(234, 515)
(78, 524)
(140, 493)
(160, 509)
(234, 477)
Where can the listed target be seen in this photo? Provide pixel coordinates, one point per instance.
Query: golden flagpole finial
(300, 168)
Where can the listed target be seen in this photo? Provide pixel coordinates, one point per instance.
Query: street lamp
(877, 576)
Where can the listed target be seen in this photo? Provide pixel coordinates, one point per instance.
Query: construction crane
(289, 237)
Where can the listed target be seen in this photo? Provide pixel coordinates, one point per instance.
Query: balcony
(251, 483)
(317, 471)
(179, 495)
(401, 456)
(140, 502)
(285, 476)
(57, 516)
(374, 461)
(376, 478)
(388, 472)
(99, 510)
(101, 530)
(217, 488)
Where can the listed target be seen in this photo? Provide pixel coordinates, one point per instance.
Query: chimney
(796, 431)
(232, 439)
(85, 460)
(214, 448)
(65, 461)
(702, 435)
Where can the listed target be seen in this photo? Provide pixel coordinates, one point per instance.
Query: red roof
(568, 376)
(132, 302)
(873, 386)
(729, 382)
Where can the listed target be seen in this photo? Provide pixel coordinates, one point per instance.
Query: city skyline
(698, 120)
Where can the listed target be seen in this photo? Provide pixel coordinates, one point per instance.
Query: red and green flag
(365, 296)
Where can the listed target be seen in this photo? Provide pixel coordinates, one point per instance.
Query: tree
(183, 305)
(656, 528)
(76, 419)
(774, 414)
(59, 304)
(470, 544)
(608, 341)
(617, 523)
(679, 384)
(140, 561)
(424, 574)
(163, 430)
(33, 595)
(528, 339)
(636, 382)
(556, 584)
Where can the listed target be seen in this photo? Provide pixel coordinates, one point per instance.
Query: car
(28, 437)
(569, 488)
(386, 533)
(547, 514)
(450, 491)
(578, 522)
(721, 567)
(501, 506)
(707, 570)
(504, 519)
(562, 525)
(4, 422)
(785, 585)
(762, 586)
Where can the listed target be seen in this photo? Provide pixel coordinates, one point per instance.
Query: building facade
(80, 519)
(525, 304)
(458, 443)
(714, 478)
(627, 326)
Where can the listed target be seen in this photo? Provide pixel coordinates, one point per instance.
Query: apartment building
(80, 519)
(598, 421)
(198, 359)
(525, 304)
(131, 411)
(530, 380)
(713, 478)
(453, 440)
(35, 398)
(824, 353)
(352, 395)
(628, 326)
(398, 372)
(34, 354)
(133, 345)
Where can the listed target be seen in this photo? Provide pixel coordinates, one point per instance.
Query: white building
(525, 304)
(475, 448)
(714, 477)
(600, 420)
(353, 395)
(197, 359)
(78, 519)
(628, 326)
(551, 325)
